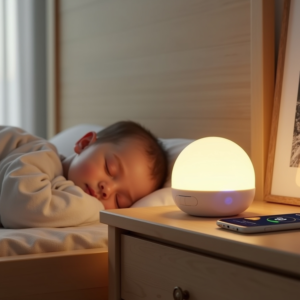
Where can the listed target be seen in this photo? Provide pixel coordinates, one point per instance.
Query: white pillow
(162, 197)
(65, 141)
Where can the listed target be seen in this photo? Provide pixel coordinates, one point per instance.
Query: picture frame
(282, 181)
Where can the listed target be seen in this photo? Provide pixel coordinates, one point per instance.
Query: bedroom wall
(181, 68)
(184, 69)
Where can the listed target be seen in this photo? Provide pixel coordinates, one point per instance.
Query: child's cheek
(88, 170)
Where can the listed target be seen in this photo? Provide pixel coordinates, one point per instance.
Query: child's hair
(153, 147)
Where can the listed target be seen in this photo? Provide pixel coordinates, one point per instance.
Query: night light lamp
(213, 177)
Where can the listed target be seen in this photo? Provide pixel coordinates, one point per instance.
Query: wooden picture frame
(282, 182)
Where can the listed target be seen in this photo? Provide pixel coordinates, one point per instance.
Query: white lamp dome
(213, 176)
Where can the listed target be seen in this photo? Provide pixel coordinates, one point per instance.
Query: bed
(151, 80)
(74, 257)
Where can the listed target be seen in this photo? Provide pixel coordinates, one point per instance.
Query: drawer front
(151, 271)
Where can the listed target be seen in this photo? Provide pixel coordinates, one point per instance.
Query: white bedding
(42, 240)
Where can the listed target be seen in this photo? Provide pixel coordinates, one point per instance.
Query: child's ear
(85, 141)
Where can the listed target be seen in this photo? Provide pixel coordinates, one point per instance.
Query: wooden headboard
(185, 69)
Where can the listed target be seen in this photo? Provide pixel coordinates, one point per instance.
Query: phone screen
(264, 220)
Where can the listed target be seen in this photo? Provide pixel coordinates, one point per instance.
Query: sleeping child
(113, 168)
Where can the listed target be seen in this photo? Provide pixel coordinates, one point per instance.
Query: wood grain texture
(84, 294)
(184, 69)
(81, 274)
(167, 64)
(151, 271)
(276, 110)
(114, 256)
(68, 5)
(262, 86)
(277, 251)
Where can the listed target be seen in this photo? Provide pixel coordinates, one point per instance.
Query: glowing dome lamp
(213, 177)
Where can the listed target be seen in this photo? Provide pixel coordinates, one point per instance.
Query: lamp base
(213, 203)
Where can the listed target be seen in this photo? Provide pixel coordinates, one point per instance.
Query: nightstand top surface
(279, 250)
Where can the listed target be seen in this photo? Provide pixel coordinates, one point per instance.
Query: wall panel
(181, 68)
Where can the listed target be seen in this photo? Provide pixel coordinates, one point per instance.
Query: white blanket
(33, 191)
(41, 240)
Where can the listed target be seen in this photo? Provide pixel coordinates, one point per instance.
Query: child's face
(116, 174)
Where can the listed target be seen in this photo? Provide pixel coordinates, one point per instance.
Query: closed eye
(106, 169)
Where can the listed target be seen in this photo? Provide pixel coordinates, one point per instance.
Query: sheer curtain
(23, 65)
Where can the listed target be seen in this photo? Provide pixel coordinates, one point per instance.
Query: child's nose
(105, 189)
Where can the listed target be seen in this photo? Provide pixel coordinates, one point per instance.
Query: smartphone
(261, 223)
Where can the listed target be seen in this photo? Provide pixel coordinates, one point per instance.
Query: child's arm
(35, 194)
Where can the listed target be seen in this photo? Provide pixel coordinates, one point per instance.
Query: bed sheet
(42, 240)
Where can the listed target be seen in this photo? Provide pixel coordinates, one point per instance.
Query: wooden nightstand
(153, 250)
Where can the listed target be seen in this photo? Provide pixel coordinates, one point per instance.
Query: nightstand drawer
(151, 271)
